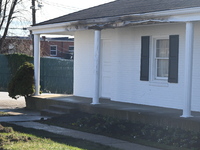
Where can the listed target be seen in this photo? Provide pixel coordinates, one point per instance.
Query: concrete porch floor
(136, 113)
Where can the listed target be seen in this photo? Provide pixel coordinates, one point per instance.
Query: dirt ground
(8, 103)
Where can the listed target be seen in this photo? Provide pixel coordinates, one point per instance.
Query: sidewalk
(124, 145)
(24, 118)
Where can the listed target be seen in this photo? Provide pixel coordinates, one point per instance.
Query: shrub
(22, 83)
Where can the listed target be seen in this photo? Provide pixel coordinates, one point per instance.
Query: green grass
(33, 139)
(21, 141)
(3, 113)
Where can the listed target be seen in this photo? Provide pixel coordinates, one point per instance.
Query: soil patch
(146, 134)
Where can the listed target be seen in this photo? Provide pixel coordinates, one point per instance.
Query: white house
(136, 51)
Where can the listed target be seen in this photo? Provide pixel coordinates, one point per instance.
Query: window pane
(71, 48)
(162, 48)
(53, 47)
(162, 67)
(53, 53)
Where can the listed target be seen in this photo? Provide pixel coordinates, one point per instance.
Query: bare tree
(8, 11)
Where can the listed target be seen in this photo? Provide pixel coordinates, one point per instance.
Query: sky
(50, 9)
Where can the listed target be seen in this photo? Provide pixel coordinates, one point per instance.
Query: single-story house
(137, 51)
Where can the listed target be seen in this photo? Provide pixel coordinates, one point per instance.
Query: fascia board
(55, 25)
(51, 28)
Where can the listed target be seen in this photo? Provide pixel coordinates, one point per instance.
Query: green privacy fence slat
(5, 73)
(56, 75)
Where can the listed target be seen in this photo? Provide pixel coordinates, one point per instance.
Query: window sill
(159, 83)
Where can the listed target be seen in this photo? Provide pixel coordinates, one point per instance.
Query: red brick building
(62, 47)
(57, 47)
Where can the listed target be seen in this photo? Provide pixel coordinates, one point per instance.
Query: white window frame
(53, 50)
(153, 61)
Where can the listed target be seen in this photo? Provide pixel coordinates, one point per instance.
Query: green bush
(22, 83)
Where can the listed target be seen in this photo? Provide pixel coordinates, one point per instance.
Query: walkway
(25, 118)
(85, 136)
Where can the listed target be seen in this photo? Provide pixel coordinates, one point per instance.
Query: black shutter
(173, 58)
(144, 68)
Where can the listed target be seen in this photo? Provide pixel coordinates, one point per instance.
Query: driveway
(8, 103)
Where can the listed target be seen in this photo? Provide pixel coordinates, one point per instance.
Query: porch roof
(124, 7)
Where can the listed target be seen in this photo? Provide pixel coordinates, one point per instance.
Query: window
(161, 56)
(71, 48)
(164, 64)
(53, 50)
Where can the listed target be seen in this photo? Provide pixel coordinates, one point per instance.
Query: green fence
(56, 75)
(5, 73)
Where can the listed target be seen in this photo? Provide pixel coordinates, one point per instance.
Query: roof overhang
(169, 16)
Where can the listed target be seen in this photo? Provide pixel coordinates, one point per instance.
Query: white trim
(187, 14)
(55, 25)
(106, 19)
(153, 79)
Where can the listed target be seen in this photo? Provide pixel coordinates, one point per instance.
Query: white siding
(125, 69)
(83, 63)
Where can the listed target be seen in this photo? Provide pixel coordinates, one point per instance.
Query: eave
(170, 16)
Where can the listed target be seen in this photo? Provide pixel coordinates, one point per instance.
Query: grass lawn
(31, 139)
(21, 141)
(3, 113)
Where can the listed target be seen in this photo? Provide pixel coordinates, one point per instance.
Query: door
(105, 87)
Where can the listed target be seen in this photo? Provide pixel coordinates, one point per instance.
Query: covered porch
(70, 29)
(98, 26)
(158, 116)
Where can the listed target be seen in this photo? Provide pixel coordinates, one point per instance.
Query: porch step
(56, 110)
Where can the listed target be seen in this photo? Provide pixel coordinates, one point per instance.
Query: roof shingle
(124, 7)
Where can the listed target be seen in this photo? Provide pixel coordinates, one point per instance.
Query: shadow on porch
(133, 112)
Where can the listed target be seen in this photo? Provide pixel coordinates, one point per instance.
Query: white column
(37, 63)
(188, 69)
(97, 47)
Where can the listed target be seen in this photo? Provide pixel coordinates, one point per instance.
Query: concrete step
(66, 109)
(57, 110)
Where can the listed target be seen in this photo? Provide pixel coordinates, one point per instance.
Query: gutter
(119, 21)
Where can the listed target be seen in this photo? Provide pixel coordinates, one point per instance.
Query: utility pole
(33, 12)
(33, 21)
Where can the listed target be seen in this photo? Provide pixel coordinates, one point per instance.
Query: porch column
(37, 63)
(97, 47)
(188, 69)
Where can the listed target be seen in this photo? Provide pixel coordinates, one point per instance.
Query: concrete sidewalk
(124, 145)
(16, 108)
